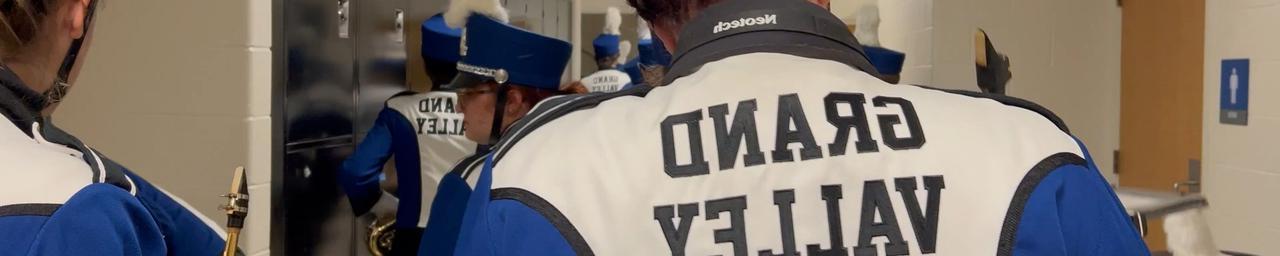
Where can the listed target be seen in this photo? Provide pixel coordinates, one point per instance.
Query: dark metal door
(379, 41)
(379, 56)
(310, 214)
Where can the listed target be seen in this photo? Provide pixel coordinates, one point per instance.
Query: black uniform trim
(22, 107)
(1011, 101)
(28, 210)
(548, 211)
(18, 103)
(1029, 183)
(467, 166)
(114, 173)
(799, 29)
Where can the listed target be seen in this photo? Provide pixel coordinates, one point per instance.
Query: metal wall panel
(380, 72)
(319, 108)
(379, 56)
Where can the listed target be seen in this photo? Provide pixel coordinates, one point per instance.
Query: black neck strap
(60, 86)
(499, 107)
(737, 27)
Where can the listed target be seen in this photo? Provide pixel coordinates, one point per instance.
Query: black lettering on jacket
(875, 199)
(730, 138)
(915, 140)
(790, 111)
(844, 124)
(925, 223)
(736, 233)
(698, 164)
(677, 237)
(831, 194)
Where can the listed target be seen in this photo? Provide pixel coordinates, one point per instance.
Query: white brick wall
(180, 92)
(905, 26)
(1242, 163)
(1065, 56)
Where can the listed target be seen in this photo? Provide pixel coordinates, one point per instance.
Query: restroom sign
(1235, 92)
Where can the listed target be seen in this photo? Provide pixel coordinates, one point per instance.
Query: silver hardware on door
(399, 33)
(1193, 179)
(344, 19)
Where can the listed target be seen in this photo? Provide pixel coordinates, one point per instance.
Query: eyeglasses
(474, 91)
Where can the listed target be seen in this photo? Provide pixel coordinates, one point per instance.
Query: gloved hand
(386, 206)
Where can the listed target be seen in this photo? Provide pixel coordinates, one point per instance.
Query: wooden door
(1162, 71)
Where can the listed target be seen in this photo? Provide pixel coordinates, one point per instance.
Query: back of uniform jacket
(424, 133)
(789, 150)
(52, 204)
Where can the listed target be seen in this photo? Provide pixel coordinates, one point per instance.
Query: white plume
(868, 25)
(613, 21)
(642, 29)
(624, 49)
(460, 10)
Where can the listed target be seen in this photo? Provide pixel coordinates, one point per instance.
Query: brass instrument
(381, 235)
(237, 208)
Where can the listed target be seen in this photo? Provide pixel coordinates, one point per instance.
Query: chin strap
(495, 129)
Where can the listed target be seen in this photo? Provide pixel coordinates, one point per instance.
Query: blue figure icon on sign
(1235, 86)
(1234, 95)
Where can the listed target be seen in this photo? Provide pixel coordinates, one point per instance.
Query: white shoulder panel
(37, 172)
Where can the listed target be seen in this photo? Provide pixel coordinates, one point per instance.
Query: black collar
(801, 28)
(19, 103)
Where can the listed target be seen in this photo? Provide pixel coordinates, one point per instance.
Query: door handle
(399, 26)
(1191, 185)
(1193, 179)
(344, 19)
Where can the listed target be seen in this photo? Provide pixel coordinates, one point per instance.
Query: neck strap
(60, 86)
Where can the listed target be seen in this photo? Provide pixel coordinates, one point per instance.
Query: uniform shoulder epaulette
(553, 108)
(1010, 101)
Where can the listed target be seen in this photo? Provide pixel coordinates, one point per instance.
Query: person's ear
(75, 15)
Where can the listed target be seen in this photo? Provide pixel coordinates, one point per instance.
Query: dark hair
(440, 72)
(21, 23)
(534, 95)
(607, 62)
(669, 12)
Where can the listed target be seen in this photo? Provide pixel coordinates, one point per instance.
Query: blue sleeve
(512, 228)
(359, 176)
(101, 219)
(184, 232)
(505, 227)
(1073, 211)
(447, 209)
